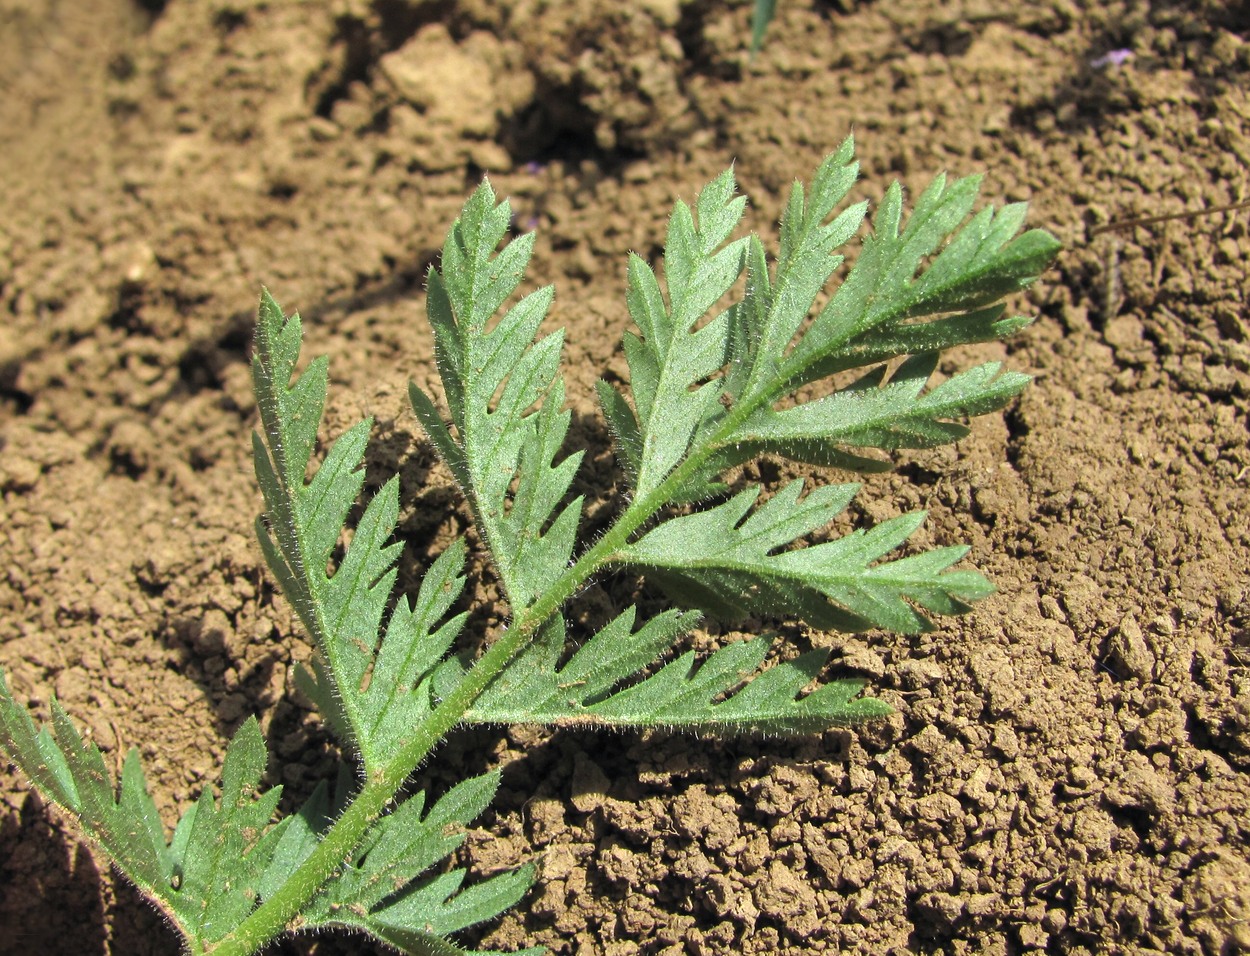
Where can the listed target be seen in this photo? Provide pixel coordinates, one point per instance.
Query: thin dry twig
(1151, 220)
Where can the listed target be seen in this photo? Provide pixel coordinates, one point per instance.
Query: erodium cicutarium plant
(712, 386)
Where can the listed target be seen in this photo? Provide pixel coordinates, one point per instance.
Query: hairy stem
(634, 517)
(280, 912)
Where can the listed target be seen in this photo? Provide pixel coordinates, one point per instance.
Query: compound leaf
(503, 450)
(207, 878)
(916, 288)
(386, 890)
(731, 564)
(871, 413)
(974, 266)
(672, 360)
(228, 842)
(726, 693)
(773, 310)
(370, 695)
(714, 376)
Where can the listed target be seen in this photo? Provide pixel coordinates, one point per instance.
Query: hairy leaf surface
(736, 562)
(370, 690)
(389, 889)
(727, 692)
(916, 289)
(207, 878)
(504, 449)
(870, 413)
(671, 360)
(735, 356)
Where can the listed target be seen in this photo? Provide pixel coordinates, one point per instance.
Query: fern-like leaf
(973, 265)
(503, 451)
(714, 382)
(732, 564)
(671, 360)
(891, 304)
(386, 890)
(871, 413)
(728, 692)
(369, 694)
(207, 878)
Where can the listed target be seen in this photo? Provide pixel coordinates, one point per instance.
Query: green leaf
(624, 428)
(503, 451)
(730, 564)
(872, 413)
(916, 289)
(683, 695)
(671, 360)
(761, 17)
(227, 842)
(369, 690)
(381, 890)
(532, 690)
(916, 338)
(208, 877)
(303, 521)
(773, 311)
(975, 265)
(600, 686)
(722, 347)
(440, 905)
(70, 773)
(300, 837)
(417, 637)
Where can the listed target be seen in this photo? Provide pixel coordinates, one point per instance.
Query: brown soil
(1069, 770)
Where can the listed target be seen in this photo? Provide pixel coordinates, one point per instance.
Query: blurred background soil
(1069, 770)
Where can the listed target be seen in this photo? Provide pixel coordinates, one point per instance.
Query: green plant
(761, 16)
(707, 394)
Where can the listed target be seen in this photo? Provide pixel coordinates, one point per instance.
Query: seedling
(761, 17)
(711, 387)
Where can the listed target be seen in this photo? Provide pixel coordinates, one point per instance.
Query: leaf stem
(641, 511)
(280, 912)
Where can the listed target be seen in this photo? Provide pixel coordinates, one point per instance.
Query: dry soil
(1069, 768)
